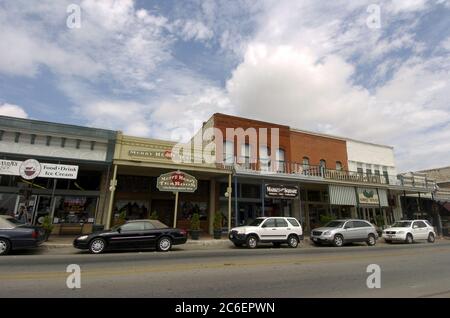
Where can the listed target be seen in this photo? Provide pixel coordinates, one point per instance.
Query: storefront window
(252, 191)
(74, 209)
(7, 203)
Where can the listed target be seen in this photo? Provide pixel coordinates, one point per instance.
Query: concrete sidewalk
(62, 241)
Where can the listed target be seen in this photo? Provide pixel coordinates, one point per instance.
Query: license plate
(390, 236)
(314, 239)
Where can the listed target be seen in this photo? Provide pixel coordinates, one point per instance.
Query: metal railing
(311, 171)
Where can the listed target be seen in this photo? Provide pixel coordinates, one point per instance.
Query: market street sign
(31, 168)
(281, 191)
(176, 181)
(368, 196)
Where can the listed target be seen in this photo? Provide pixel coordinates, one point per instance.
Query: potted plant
(154, 215)
(218, 225)
(48, 226)
(324, 219)
(195, 226)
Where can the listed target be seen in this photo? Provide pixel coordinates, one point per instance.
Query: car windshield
(256, 222)
(402, 224)
(335, 224)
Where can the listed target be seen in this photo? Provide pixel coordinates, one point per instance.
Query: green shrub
(195, 222)
(324, 219)
(47, 225)
(218, 221)
(154, 215)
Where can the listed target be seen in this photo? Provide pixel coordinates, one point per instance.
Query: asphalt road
(417, 270)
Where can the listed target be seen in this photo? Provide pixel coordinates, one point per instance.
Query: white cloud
(12, 110)
(193, 30)
(115, 42)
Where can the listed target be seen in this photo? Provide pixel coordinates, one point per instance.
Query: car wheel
(338, 240)
(431, 238)
(388, 241)
(293, 241)
(97, 246)
(238, 244)
(164, 244)
(409, 238)
(276, 244)
(252, 241)
(5, 246)
(371, 240)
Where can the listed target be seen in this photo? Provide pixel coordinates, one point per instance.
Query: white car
(409, 231)
(276, 230)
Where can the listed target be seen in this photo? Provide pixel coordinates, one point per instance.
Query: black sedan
(137, 234)
(15, 235)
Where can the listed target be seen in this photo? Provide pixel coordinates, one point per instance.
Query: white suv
(276, 230)
(409, 231)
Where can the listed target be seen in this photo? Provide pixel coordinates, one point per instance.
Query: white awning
(340, 195)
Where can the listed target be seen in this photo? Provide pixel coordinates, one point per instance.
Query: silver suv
(339, 232)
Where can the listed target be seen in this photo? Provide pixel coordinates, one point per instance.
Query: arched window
(305, 162)
(280, 160)
(323, 163)
(338, 165)
(228, 152)
(264, 158)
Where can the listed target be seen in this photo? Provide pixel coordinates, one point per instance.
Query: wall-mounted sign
(10, 167)
(368, 196)
(161, 154)
(176, 181)
(31, 168)
(281, 191)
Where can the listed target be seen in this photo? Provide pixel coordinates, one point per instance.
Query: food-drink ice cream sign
(31, 168)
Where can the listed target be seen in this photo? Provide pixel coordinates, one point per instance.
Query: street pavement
(417, 270)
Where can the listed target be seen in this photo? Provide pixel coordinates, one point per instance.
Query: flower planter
(217, 234)
(195, 234)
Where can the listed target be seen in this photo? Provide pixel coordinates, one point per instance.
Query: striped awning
(340, 195)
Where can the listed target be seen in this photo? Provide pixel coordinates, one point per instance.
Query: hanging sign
(176, 181)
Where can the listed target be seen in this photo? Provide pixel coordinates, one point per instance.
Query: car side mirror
(415, 227)
(264, 225)
(119, 230)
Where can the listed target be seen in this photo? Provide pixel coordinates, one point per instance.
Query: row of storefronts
(89, 177)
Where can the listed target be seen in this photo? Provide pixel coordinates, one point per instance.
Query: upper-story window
(323, 163)
(338, 165)
(228, 152)
(305, 162)
(281, 163)
(264, 158)
(245, 153)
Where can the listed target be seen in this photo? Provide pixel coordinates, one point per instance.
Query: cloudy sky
(160, 68)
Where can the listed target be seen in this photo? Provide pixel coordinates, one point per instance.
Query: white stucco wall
(371, 156)
(39, 148)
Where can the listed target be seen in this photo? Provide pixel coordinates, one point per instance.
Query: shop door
(43, 208)
(25, 207)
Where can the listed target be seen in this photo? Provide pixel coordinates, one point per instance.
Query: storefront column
(229, 191)
(236, 212)
(212, 197)
(112, 189)
(353, 212)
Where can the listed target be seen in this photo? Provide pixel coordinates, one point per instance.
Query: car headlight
(326, 233)
(401, 232)
(82, 238)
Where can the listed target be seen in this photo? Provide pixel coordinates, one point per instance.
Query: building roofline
(58, 128)
(305, 131)
(250, 119)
